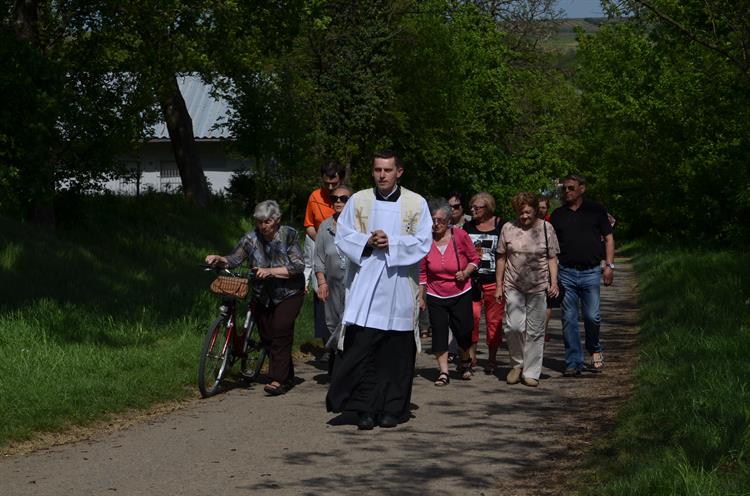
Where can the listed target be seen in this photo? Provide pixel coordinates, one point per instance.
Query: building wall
(159, 169)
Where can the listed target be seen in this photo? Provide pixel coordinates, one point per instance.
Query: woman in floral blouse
(273, 254)
(526, 274)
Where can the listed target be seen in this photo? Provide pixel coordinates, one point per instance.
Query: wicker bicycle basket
(233, 287)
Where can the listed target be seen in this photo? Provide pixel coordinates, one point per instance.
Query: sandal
(597, 363)
(443, 379)
(466, 370)
(425, 333)
(273, 390)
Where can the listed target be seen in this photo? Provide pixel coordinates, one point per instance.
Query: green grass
(107, 313)
(563, 38)
(687, 428)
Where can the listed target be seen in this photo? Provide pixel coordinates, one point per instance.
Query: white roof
(208, 113)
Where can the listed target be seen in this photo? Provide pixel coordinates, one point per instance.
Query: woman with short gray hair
(273, 254)
(445, 287)
(440, 205)
(267, 209)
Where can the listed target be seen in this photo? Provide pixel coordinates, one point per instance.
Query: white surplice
(381, 287)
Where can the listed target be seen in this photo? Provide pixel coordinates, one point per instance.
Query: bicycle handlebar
(224, 270)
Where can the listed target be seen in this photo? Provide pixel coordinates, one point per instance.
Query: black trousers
(374, 372)
(276, 325)
(456, 313)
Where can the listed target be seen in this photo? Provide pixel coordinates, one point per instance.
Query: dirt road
(477, 437)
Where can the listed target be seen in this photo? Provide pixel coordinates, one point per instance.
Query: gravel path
(477, 437)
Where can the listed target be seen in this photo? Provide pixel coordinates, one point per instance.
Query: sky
(581, 8)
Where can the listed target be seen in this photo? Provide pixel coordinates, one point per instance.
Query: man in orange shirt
(319, 208)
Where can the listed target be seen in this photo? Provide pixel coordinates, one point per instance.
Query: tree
(722, 26)
(322, 96)
(103, 70)
(666, 131)
(350, 47)
(64, 114)
(442, 82)
(159, 39)
(526, 22)
(452, 98)
(27, 123)
(156, 41)
(478, 113)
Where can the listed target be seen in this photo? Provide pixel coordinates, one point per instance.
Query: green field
(687, 428)
(108, 312)
(564, 37)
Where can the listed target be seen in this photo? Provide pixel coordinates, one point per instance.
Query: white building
(155, 159)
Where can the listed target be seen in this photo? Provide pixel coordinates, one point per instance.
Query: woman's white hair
(267, 209)
(439, 205)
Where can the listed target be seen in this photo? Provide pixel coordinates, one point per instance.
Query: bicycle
(225, 342)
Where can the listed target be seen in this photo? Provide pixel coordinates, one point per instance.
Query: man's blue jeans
(583, 286)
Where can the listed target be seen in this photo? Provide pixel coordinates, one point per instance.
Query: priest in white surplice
(384, 232)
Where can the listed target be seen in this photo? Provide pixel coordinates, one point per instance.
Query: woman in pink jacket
(445, 288)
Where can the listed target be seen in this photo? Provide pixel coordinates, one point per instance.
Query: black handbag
(476, 288)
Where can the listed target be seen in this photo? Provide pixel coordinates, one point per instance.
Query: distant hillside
(564, 39)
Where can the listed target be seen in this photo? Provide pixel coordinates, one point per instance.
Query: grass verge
(687, 428)
(107, 314)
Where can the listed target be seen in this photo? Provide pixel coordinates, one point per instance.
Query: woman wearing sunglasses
(330, 265)
(484, 230)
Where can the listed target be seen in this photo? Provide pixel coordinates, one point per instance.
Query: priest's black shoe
(366, 421)
(388, 420)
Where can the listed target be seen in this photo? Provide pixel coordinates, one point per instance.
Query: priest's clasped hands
(378, 239)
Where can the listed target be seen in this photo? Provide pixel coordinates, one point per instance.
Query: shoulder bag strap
(455, 249)
(546, 246)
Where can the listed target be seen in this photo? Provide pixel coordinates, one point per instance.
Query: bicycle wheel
(252, 362)
(214, 360)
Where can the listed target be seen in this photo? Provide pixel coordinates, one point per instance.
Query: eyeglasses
(570, 187)
(436, 220)
(342, 198)
(457, 206)
(478, 207)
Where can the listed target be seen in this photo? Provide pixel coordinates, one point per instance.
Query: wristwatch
(611, 266)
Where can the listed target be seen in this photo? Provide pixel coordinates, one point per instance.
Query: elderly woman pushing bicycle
(273, 254)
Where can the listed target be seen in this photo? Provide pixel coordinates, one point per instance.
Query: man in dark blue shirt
(581, 226)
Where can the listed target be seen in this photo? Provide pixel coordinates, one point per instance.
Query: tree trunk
(180, 128)
(41, 192)
(43, 213)
(138, 177)
(26, 17)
